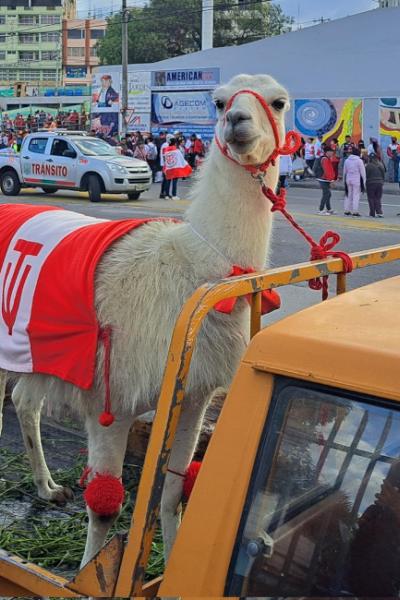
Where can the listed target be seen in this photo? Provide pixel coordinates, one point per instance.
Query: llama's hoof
(56, 493)
(62, 495)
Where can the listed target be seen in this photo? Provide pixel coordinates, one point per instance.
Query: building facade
(389, 3)
(30, 44)
(80, 37)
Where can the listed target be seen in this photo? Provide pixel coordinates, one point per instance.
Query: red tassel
(190, 478)
(104, 494)
(106, 419)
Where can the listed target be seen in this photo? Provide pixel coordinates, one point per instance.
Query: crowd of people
(153, 149)
(361, 168)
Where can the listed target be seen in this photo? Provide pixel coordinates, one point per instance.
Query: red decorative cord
(319, 251)
(106, 418)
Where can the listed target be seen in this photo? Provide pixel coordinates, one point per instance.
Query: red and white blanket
(48, 258)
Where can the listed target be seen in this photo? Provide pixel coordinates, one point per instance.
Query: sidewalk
(310, 183)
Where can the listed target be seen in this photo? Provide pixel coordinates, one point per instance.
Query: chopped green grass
(53, 537)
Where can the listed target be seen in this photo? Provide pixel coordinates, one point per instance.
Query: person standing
(285, 170)
(174, 167)
(325, 176)
(336, 156)
(393, 152)
(354, 180)
(152, 154)
(375, 171)
(309, 156)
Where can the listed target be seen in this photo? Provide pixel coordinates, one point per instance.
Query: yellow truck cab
(299, 492)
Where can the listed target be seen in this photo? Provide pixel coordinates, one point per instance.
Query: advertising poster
(139, 91)
(333, 118)
(188, 112)
(186, 78)
(139, 122)
(105, 93)
(389, 117)
(105, 123)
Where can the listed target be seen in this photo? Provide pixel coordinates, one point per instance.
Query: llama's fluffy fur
(141, 285)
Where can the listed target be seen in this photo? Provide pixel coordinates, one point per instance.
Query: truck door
(33, 155)
(62, 163)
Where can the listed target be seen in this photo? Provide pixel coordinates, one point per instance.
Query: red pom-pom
(104, 494)
(106, 419)
(190, 478)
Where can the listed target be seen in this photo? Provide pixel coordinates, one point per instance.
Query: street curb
(313, 185)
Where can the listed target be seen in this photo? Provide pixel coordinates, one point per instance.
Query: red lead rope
(318, 251)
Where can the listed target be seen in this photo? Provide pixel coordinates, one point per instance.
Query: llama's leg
(3, 380)
(106, 452)
(185, 442)
(28, 410)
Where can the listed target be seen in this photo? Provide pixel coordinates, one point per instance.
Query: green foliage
(163, 28)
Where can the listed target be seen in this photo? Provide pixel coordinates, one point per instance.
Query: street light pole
(124, 86)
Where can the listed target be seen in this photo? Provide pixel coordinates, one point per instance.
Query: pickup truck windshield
(93, 147)
(323, 512)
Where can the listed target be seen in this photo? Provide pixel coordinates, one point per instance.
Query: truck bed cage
(118, 569)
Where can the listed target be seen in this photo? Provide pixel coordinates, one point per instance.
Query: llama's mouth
(243, 146)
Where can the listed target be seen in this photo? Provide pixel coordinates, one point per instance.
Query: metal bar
(255, 319)
(143, 522)
(351, 451)
(341, 281)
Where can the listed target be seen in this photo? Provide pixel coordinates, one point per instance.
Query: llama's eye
(278, 104)
(219, 104)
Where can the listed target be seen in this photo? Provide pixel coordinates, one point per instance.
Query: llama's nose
(236, 116)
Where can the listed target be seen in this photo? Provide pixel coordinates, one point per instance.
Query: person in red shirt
(325, 178)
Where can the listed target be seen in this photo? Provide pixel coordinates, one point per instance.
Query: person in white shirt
(285, 170)
(309, 156)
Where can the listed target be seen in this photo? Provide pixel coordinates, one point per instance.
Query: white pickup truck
(73, 161)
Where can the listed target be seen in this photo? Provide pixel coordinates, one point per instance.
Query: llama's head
(243, 125)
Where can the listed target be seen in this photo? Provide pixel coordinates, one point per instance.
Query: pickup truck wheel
(94, 188)
(49, 190)
(9, 183)
(134, 195)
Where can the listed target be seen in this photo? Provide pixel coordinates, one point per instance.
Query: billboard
(76, 72)
(105, 123)
(389, 120)
(188, 112)
(139, 122)
(139, 91)
(331, 118)
(106, 92)
(186, 78)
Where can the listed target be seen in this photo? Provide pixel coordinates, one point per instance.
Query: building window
(2, 38)
(97, 34)
(50, 19)
(50, 75)
(49, 55)
(5, 75)
(2, 55)
(76, 52)
(27, 20)
(29, 76)
(2, 20)
(27, 38)
(93, 51)
(50, 37)
(76, 34)
(28, 55)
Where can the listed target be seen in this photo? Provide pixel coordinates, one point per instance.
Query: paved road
(287, 246)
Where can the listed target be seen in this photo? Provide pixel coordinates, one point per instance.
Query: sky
(303, 11)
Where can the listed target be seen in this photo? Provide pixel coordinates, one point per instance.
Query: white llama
(140, 287)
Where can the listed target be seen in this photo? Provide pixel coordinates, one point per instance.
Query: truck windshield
(93, 147)
(322, 516)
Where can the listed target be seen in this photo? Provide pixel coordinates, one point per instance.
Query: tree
(163, 29)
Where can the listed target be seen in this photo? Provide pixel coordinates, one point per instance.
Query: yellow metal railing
(122, 566)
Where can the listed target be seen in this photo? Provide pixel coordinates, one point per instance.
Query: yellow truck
(299, 491)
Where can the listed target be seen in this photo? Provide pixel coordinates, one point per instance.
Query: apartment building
(30, 43)
(80, 37)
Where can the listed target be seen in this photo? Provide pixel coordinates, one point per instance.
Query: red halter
(320, 250)
(292, 139)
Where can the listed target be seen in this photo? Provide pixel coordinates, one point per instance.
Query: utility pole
(207, 24)
(124, 83)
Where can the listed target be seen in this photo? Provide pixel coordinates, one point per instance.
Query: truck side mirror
(69, 153)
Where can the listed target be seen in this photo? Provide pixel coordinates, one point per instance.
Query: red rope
(319, 251)
(106, 418)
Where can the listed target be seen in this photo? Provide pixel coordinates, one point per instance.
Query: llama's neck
(229, 210)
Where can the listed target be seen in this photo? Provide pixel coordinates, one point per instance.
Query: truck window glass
(93, 147)
(58, 147)
(38, 145)
(323, 513)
